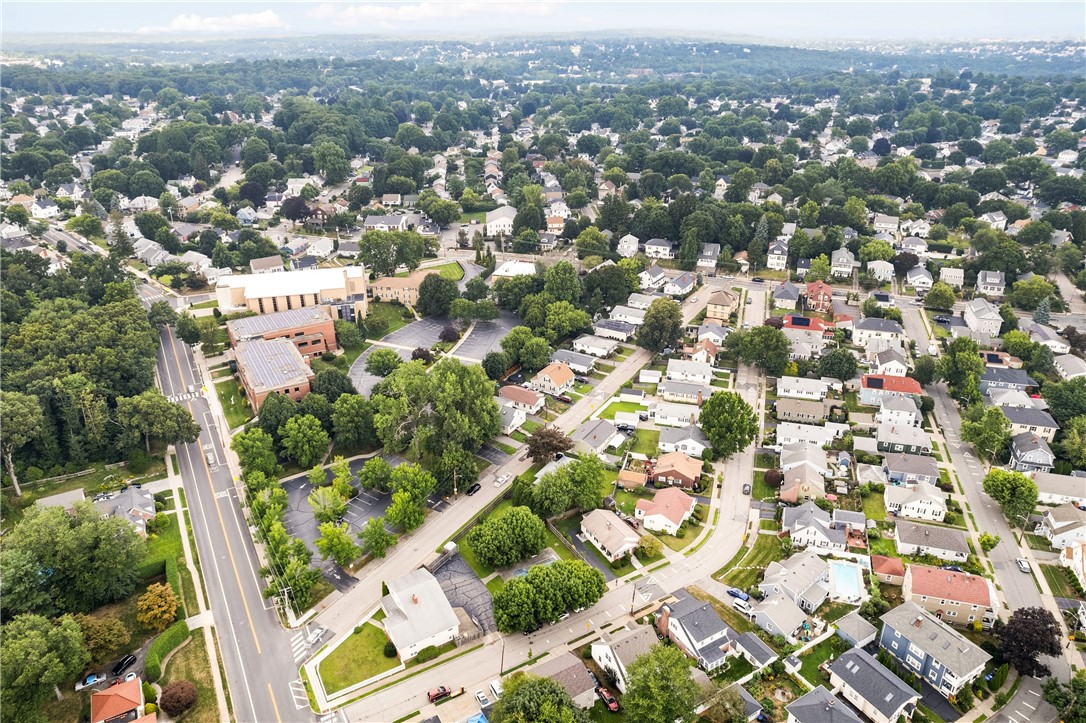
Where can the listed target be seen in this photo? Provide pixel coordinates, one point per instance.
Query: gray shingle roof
(1004, 375)
(872, 323)
(935, 638)
(819, 706)
(873, 681)
(1028, 417)
(942, 538)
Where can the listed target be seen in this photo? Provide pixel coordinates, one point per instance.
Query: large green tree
(152, 416)
(375, 537)
(256, 451)
(21, 418)
(962, 369)
(729, 423)
(839, 364)
(500, 541)
(662, 326)
(436, 293)
(36, 656)
(352, 421)
(989, 434)
(660, 687)
(304, 440)
(1015, 493)
(335, 542)
(531, 699)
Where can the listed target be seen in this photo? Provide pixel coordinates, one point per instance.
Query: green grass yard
(646, 442)
(874, 507)
(343, 362)
(358, 658)
(613, 408)
(1057, 581)
(234, 404)
(551, 540)
(392, 313)
(760, 490)
(833, 646)
(882, 546)
(767, 549)
(451, 270)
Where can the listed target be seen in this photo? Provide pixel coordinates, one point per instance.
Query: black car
(474, 488)
(123, 664)
(529, 631)
(953, 568)
(758, 280)
(942, 319)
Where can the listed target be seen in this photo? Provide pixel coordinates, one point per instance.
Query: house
(997, 378)
(527, 399)
(954, 597)
(811, 526)
(1030, 453)
(629, 315)
(594, 345)
(45, 208)
(983, 317)
(722, 304)
(627, 246)
(991, 283)
(915, 539)
(1073, 557)
(929, 648)
(995, 219)
(499, 222)
(953, 276)
(570, 672)
(890, 570)
(803, 411)
(896, 438)
(1035, 421)
(703, 352)
(1063, 526)
(652, 278)
(1059, 489)
(890, 362)
(777, 256)
(677, 469)
(246, 216)
(595, 436)
(609, 534)
(819, 296)
(64, 500)
(785, 296)
(688, 440)
(923, 501)
(1046, 336)
(879, 694)
(898, 410)
(919, 278)
(680, 370)
(615, 651)
(911, 469)
(613, 329)
(133, 504)
(658, 248)
(696, 629)
(779, 615)
(683, 392)
(417, 613)
(914, 245)
(681, 285)
(872, 328)
(640, 301)
(267, 265)
(122, 701)
(714, 332)
(582, 364)
(512, 418)
(666, 511)
(884, 223)
(556, 378)
(842, 263)
(801, 388)
(801, 484)
(820, 436)
(311, 329)
(803, 578)
(883, 271)
(267, 366)
(708, 258)
(1069, 366)
(874, 387)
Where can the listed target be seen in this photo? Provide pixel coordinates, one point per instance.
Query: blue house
(931, 649)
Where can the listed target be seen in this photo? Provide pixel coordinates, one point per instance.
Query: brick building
(272, 365)
(311, 329)
(343, 290)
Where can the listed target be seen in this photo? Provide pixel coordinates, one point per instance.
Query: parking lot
(363, 381)
(493, 455)
(424, 332)
(486, 337)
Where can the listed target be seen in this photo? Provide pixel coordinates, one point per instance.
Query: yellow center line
(275, 705)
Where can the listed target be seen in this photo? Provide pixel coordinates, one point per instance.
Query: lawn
(852, 402)
(467, 218)
(190, 663)
(767, 549)
(882, 546)
(358, 658)
(209, 304)
(551, 540)
(831, 612)
(819, 654)
(741, 623)
(495, 585)
(760, 490)
(679, 543)
(874, 507)
(765, 461)
(343, 362)
(736, 668)
(1036, 542)
(505, 448)
(392, 313)
(1057, 581)
(626, 500)
(614, 408)
(451, 270)
(571, 527)
(646, 442)
(234, 404)
(529, 426)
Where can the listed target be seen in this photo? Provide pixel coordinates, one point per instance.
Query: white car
(315, 634)
(501, 480)
(1023, 565)
(481, 698)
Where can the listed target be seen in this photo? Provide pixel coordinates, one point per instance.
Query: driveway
(1027, 705)
(493, 455)
(363, 381)
(486, 336)
(465, 590)
(589, 556)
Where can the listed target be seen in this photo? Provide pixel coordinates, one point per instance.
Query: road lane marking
(271, 696)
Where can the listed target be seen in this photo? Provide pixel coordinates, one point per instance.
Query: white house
(887, 224)
(696, 629)
(527, 399)
(595, 345)
(652, 278)
(991, 283)
(922, 501)
(982, 316)
(801, 388)
(900, 411)
(919, 278)
(417, 613)
(628, 314)
(670, 414)
(615, 651)
(1069, 366)
(499, 222)
(627, 245)
(512, 417)
(946, 543)
(1045, 335)
(44, 209)
(820, 436)
(843, 263)
(872, 328)
(881, 270)
(1063, 526)
(694, 372)
(952, 276)
(658, 248)
(681, 285)
(689, 440)
(666, 511)
(609, 534)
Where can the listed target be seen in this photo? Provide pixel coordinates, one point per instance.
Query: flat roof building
(310, 329)
(272, 365)
(343, 289)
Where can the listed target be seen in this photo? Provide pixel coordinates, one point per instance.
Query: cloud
(240, 22)
(388, 15)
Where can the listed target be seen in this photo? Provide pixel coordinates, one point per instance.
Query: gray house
(931, 649)
(1030, 453)
(870, 686)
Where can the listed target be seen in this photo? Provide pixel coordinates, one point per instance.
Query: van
(742, 606)
(496, 689)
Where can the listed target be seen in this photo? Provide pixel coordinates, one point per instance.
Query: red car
(442, 691)
(607, 698)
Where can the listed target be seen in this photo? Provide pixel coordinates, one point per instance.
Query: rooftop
(936, 639)
(270, 364)
(252, 327)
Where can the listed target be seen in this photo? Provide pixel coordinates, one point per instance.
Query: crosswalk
(336, 716)
(182, 397)
(298, 646)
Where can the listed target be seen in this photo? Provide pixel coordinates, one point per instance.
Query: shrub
(157, 607)
(390, 649)
(427, 654)
(178, 697)
(138, 461)
(149, 693)
(162, 646)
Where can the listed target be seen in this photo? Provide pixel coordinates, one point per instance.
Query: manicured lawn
(342, 362)
(505, 448)
(724, 610)
(390, 312)
(234, 405)
(646, 442)
(834, 611)
(818, 655)
(467, 218)
(615, 407)
(679, 543)
(767, 549)
(882, 546)
(736, 668)
(209, 304)
(529, 426)
(451, 270)
(760, 490)
(495, 585)
(519, 436)
(1057, 581)
(874, 507)
(1036, 542)
(852, 402)
(764, 460)
(626, 500)
(190, 663)
(359, 657)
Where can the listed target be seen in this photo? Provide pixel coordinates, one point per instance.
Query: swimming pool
(847, 580)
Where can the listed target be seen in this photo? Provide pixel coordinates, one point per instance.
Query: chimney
(414, 598)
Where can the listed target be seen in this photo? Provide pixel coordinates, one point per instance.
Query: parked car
(438, 693)
(91, 680)
(564, 398)
(952, 568)
(1022, 564)
(746, 489)
(941, 319)
(631, 521)
(749, 301)
(608, 699)
(483, 701)
(123, 664)
(531, 630)
(736, 592)
(625, 427)
(758, 280)
(130, 677)
(501, 480)
(315, 634)
(474, 488)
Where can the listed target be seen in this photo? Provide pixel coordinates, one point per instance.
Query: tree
(988, 541)
(304, 440)
(161, 313)
(729, 423)
(649, 546)
(436, 293)
(17, 214)
(903, 262)
(375, 537)
(152, 416)
(411, 486)
(328, 504)
(495, 365)
(514, 606)
(820, 269)
(1029, 633)
(476, 289)
(335, 542)
(177, 697)
(962, 369)
(36, 655)
(531, 699)
(990, 434)
(295, 209)
(545, 442)
(1042, 313)
(156, 609)
(660, 687)
(375, 474)
(725, 706)
(456, 470)
(839, 364)
(188, 330)
(1066, 399)
(514, 341)
(662, 326)
(331, 383)
(1069, 699)
(591, 242)
(561, 282)
(766, 348)
(940, 297)
(512, 537)
(1074, 441)
(535, 354)
(383, 362)
(1015, 493)
(256, 451)
(352, 421)
(22, 421)
(102, 635)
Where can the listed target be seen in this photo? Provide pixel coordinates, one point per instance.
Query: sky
(800, 21)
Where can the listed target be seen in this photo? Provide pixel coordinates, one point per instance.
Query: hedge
(162, 646)
(174, 578)
(151, 568)
(427, 654)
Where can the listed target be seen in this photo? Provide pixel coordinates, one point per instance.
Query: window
(893, 644)
(952, 613)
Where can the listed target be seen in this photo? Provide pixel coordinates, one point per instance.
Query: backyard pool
(846, 581)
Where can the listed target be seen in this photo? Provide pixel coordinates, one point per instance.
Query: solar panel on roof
(874, 382)
(800, 321)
